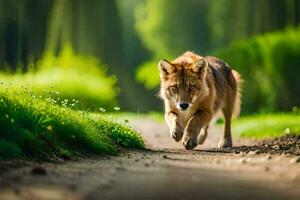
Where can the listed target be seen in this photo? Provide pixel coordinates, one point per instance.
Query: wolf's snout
(183, 106)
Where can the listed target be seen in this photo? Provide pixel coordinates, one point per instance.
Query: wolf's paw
(177, 135)
(202, 137)
(190, 143)
(225, 143)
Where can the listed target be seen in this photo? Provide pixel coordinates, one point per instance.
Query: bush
(148, 74)
(71, 76)
(269, 64)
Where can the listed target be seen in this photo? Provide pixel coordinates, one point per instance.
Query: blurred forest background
(105, 52)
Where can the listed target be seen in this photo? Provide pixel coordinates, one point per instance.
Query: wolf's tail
(238, 100)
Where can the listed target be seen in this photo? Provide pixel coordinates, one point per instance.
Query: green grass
(68, 76)
(33, 127)
(267, 125)
(125, 117)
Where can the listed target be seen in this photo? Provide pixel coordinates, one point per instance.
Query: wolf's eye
(173, 88)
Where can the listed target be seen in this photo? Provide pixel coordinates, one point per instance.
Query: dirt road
(167, 171)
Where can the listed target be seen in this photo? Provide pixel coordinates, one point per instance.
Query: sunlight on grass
(72, 77)
(33, 127)
(267, 125)
(126, 117)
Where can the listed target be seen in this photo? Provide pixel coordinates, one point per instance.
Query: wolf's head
(183, 83)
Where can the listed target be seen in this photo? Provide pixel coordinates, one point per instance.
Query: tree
(23, 27)
(171, 27)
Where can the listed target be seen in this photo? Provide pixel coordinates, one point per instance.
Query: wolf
(194, 89)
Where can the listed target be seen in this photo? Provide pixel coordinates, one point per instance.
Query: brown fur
(207, 85)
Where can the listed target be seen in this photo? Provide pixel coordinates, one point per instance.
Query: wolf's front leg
(175, 126)
(198, 121)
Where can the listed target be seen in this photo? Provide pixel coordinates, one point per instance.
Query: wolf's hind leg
(226, 139)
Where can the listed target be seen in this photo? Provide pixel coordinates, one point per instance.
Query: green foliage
(148, 74)
(9, 149)
(167, 27)
(267, 125)
(269, 64)
(71, 76)
(126, 33)
(37, 128)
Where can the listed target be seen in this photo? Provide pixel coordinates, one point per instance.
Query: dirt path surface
(167, 171)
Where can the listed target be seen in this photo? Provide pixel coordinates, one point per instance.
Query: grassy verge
(125, 117)
(267, 125)
(33, 127)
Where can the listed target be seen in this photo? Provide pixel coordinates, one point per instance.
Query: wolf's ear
(165, 68)
(200, 66)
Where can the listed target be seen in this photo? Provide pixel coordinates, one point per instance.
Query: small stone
(267, 168)
(268, 157)
(295, 160)
(165, 157)
(276, 147)
(147, 165)
(39, 170)
(242, 160)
